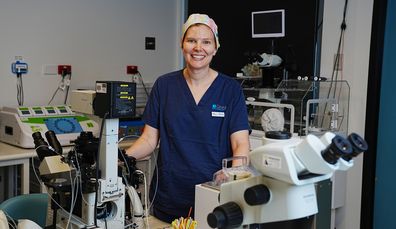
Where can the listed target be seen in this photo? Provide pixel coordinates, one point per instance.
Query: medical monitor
(269, 23)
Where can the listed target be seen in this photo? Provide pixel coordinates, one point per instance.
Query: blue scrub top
(193, 138)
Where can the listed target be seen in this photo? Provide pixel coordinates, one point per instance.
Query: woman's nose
(198, 46)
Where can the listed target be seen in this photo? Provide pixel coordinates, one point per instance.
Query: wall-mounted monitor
(269, 23)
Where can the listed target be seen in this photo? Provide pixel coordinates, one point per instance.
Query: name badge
(217, 114)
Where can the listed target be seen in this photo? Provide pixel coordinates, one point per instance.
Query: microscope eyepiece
(53, 141)
(359, 145)
(41, 146)
(339, 147)
(38, 139)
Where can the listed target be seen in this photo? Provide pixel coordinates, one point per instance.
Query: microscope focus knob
(257, 195)
(228, 215)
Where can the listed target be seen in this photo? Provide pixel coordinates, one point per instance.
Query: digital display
(26, 112)
(270, 23)
(63, 125)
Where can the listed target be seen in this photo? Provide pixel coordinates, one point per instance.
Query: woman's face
(199, 46)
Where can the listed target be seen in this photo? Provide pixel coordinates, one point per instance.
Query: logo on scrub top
(217, 107)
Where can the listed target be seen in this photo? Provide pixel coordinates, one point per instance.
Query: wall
(97, 37)
(355, 71)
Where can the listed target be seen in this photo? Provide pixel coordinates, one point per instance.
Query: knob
(228, 215)
(257, 195)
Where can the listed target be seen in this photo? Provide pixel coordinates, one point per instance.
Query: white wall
(97, 37)
(356, 64)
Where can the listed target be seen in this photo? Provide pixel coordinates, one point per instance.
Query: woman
(198, 116)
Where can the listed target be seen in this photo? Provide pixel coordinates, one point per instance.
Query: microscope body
(110, 200)
(286, 189)
(286, 201)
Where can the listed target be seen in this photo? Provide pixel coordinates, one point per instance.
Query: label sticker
(217, 114)
(272, 162)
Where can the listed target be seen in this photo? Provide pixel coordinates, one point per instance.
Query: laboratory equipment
(98, 198)
(319, 106)
(82, 101)
(76, 194)
(17, 124)
(285, 191)
(115, 99)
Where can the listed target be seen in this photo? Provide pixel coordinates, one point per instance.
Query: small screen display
(63, 125)
(25, 112)
(270, 23)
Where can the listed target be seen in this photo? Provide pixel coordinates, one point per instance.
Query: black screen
(267, 24)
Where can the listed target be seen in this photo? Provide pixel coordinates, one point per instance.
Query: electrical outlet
(338, 61)
(64, 69)
(132, 69)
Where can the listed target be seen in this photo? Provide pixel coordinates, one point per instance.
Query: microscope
(289, 167)
(98, 199)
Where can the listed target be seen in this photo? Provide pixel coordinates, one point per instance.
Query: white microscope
(285, 191)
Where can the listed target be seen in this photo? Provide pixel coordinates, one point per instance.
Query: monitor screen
(269, 23)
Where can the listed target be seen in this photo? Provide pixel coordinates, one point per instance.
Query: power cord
(64, 84)
(20, 95)
(340, 47)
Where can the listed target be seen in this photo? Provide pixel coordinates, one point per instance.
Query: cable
(156, 181)
(147, 206)
(78, 174)
(145, 197)
(12, 222)
(46, 191)
(155, 167)
(20, 95)
(53, 96)
(63, 83)
(72, 200)
(337, 59)
(67, 87)
(144, 86)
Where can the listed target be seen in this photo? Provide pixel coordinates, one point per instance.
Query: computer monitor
(268, 23)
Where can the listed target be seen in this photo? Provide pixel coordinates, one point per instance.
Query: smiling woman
(198, 116)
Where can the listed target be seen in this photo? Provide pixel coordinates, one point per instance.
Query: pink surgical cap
(202, 19)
